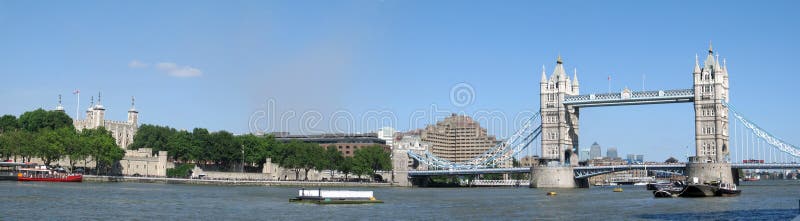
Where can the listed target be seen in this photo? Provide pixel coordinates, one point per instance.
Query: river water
(766, 200)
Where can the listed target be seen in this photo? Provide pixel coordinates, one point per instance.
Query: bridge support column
(553, 177)
(707, 172)
(400, 168)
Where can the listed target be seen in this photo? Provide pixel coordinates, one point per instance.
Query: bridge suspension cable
(501, 153)
(756, 143)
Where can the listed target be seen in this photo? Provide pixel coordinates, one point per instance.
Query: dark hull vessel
(726, 192)
(657, 186)
(711, 189)
(699, 190)
(665, 194)
(668, 192)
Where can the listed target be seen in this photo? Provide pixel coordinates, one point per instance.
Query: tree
(370, 159)
(293, 161)
(75, 148)
(671, 160)
(333, 159)
(27, 145)
(256, 148)
(200, 146)
(288, 155)
(312, 157)
(102, 148)
(180, 146)
(346, 167)
(223, 149)
(13, 143)
(5, 146)
(40, 119)
(52, 145)
(8, 123)
(152, 136)
(180, 171)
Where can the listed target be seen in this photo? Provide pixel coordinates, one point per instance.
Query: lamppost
(242, 166)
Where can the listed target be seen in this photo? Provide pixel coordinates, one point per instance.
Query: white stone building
(136, 162)
(142, 162)
(387, 134)
(122, 131)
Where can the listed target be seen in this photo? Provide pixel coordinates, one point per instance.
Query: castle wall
(143, 163)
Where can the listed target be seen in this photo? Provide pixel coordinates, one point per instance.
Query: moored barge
(334, 197)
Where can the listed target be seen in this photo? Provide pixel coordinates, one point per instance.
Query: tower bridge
(583, 172)
(557, 132)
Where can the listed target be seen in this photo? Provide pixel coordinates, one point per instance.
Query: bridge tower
(711, 121)
(559, 131)
(559, 122)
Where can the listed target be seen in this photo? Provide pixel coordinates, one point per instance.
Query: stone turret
(696, 65)
(90, 112)
(575, 84)
(99, 113)
(133, 114)
(59, 108)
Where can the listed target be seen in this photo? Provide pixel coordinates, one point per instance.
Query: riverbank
(94, 178)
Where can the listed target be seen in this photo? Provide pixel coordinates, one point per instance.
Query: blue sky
(219, 64)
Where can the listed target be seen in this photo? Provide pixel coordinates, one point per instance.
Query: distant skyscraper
(635, 158)
(611, 153)
(584, 155)
(595, 151)
(387, 134)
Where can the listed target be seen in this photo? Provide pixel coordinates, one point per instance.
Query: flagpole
(78, 106)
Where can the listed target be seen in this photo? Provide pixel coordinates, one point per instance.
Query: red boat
(46, 175)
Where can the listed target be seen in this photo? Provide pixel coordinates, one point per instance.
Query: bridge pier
(707, 172)
(400, 168)
(553, 177)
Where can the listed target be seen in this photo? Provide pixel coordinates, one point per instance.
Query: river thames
(764, 200)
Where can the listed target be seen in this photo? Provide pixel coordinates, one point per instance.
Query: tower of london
(122, 131)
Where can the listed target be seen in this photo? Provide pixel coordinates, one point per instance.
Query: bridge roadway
(589, 171)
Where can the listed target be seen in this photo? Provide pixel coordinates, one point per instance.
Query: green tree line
(227, 151)
(51, 136)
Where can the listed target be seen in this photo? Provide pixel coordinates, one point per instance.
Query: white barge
(319, 196)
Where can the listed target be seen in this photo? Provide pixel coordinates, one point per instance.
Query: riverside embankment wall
(93, 178)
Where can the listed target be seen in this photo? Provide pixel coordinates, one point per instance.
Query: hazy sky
(243, 66)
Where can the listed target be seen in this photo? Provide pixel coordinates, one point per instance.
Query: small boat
(727, 189)
(641, 184)
(334, 197)
(8, 170)
(699, 190)
(43, 174)
(551, 193)
(618, 189)
(668, 191)
(663, 194)
(714, 188)
(659, 185)
(752, 178)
